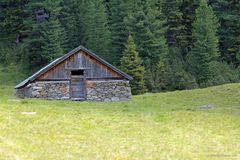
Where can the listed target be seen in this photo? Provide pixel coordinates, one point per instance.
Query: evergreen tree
(177, 44)
(55, 38)
(52, 48)
(176, 30)
(96, 31)
(205, 46)
(188, 8)
(137, 24)
(11, 22)
(32, 57)
(45, 40)
(175, 75)
(70, 19)
(147, 24)
(119, 9)
(228, 12)
(11, 19)
(131, 63)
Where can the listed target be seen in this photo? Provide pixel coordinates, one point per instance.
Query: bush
(8, 53)
(178, 79)
(176, 76)
(222, 73)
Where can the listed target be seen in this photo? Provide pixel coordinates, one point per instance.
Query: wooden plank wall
(80, 60)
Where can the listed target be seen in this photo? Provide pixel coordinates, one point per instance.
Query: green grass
(152, 126)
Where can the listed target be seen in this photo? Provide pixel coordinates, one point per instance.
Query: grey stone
(111, 90)
(115, 99)
(208, 106)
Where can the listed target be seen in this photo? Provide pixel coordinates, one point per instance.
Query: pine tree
(32, 57)
(52, 48)
(56, 43)
(69, 18)
(131, 63)
(229, 17)
(137, 23)
(44, 40)
(205, 46)
(176, 30)
(11, 22)
(187, 9)
(11, 19)
(147, 25)
(175, 75)
(96, 31)
(56, 40)
(119, 9)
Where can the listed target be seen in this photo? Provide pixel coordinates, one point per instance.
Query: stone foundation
(112, 90)
(21, 92)
(57, 90)
(109, 90)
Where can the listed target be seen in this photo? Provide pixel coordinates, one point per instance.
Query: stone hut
(78, 75)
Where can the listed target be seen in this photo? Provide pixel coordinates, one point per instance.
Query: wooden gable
(81, 60)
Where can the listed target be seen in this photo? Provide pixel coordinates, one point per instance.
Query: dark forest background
(163, 44)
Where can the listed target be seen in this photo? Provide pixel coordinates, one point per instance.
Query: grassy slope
(152, 126)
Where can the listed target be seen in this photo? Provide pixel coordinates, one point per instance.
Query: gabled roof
(64, 57)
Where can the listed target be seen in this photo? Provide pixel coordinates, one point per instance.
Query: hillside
(152, 126)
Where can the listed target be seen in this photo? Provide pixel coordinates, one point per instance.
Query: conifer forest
(164, 44)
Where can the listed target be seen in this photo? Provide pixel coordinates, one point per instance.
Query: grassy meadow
(152, 126)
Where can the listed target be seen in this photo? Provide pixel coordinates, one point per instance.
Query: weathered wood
(78, 87)
(77, 70)
(96, 78)
(81, 60)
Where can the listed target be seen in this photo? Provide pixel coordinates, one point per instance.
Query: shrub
(222, 73)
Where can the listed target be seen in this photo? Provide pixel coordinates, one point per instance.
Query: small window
(78, 72)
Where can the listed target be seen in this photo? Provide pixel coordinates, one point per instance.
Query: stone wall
(21, 93)
(111, 90)
(58, 90)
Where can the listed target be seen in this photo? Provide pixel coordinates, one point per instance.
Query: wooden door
(78, 88)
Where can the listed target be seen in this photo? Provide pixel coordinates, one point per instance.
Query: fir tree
(175, 75)
(147, 24)
(32, 57)
(131, 63)
(205, 46)
(176, 30)
(56, 40)
(44, 40)
(96, 31)
(229, 17)
(119, 9)
(11, 22)
(175, 51)
(188, 8)
(137, 24)
(52, 48)
(70, 19)
(11, 19)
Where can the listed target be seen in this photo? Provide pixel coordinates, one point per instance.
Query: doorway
(77, 85)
